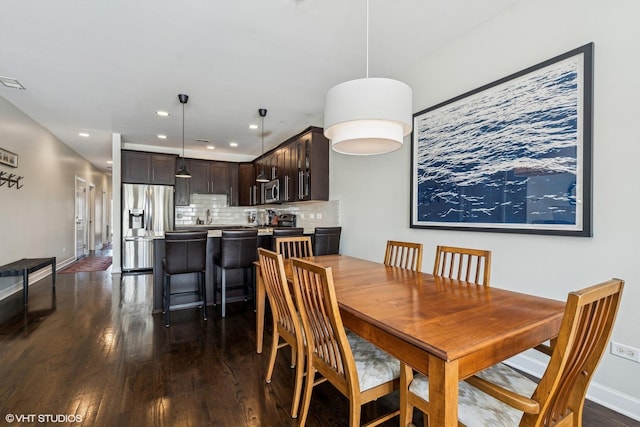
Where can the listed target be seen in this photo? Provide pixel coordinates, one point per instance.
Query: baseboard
(621, 403)
(33, 278)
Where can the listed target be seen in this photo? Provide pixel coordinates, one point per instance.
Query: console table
(24, 267)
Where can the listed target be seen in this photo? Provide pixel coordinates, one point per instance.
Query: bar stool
(326, 240)
(285, 232)
(238, 250)
(185, 252)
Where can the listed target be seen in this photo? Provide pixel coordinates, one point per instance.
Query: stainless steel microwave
(272, 191)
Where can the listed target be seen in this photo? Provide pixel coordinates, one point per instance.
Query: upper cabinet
(182, 196)
(148, 168)
(209, 177)
(247, 184)
(311, 152)
(300, 163)
(302, 166)
(234, 190)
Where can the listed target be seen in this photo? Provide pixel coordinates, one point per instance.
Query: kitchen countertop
(262, 231)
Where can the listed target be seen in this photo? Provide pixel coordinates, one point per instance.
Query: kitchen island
(214, 236)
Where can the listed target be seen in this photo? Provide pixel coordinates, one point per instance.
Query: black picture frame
(512, 156)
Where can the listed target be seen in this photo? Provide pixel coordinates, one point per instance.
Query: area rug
(94, 263)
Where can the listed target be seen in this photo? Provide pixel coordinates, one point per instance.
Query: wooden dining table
(444, 328)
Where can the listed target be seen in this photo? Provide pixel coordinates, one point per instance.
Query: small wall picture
(8, 158)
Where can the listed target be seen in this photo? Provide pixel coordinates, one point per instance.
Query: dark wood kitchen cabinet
(246, 184)
(200, 171)
(182, 196)
(311, 166)
(148, 168)
(209, 177)
(234, 190)
(287, 172)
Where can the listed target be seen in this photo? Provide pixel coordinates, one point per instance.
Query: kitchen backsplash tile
(309, 214)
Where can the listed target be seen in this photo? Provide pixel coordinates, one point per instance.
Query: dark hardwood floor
(92, 349)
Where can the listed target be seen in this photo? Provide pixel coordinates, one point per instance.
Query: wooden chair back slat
(298, 247)
(404, 255)
(470, 265)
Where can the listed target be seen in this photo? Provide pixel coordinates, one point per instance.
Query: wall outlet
(625, 351)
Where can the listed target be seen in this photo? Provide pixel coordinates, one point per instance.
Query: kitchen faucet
(208, 216)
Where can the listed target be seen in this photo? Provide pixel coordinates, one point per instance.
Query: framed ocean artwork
(511, 156)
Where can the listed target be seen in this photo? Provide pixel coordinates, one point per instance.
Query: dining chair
(290, 247)
(326, 240)
(185, 252)
(501, 396)
(286, 321)
(358, 369)
(404, 254)
(470, 265)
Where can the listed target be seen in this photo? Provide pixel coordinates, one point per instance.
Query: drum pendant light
(368, 116)
(183, 172)
(262, 177)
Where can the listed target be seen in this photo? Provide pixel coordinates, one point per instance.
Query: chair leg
(245, 281)
(308, 388)
(297, 389)
(253, 285)
(354, 412)
(164, 293)
(224, 291)
(215, 285)
(203, 294)
(274, 351)
(406, 410)
(167, 307)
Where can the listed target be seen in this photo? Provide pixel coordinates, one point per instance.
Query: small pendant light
(183, 172)
(368, 116)
(262, 177)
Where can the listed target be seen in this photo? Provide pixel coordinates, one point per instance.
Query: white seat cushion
(375, 366)
(476, 408)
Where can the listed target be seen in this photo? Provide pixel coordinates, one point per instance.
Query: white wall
(38, 220)
(375, 191)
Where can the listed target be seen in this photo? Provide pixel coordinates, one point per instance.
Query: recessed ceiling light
(84, 134)
(163, 113)
(11, 82)
(253, 126)
(210, 147)
(109, 162)
(162, 136)
(233, 144)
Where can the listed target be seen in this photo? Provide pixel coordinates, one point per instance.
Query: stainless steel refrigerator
(147, 212)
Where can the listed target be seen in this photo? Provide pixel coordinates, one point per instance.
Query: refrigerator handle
(147, 209)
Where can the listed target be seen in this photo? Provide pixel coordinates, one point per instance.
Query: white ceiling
(106, 66)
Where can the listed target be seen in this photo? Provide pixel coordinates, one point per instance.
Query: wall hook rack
(11, 180)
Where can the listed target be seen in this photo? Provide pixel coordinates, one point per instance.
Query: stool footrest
(186, 305)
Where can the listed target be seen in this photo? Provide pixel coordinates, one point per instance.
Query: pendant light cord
(183, 131)
(367, 38)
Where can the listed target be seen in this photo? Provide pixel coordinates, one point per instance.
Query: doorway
(81, 218)
(91, 229)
